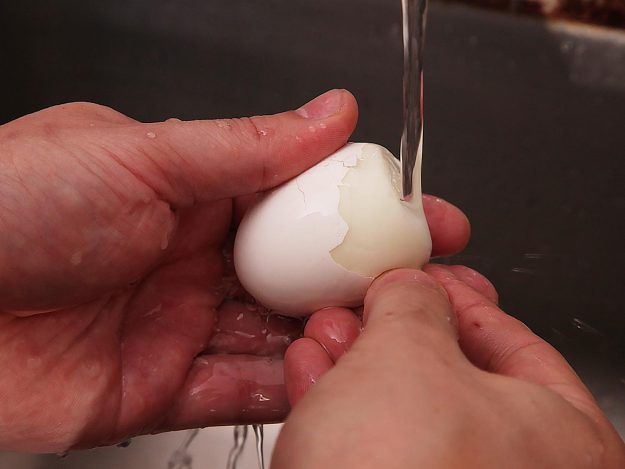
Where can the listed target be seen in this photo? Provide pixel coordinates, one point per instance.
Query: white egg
(321, 238)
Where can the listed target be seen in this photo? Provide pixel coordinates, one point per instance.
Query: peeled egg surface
(321, 238)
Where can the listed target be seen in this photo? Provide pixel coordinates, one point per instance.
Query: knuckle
(249, 130)
(82, 110)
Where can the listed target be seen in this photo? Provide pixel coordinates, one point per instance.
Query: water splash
(533, 255)
(522, 270)
(413, 15)
(259, 433)
(585, 327)
(181, 459)
(240, 437)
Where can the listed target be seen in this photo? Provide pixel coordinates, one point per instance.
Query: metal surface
(413, 33)
(525, 123)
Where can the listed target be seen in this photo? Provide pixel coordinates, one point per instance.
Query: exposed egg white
(320, 239)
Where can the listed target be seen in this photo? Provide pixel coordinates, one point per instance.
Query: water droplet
(522, 270)
(585, 327)
(260, 454)
(223, 124)
(312, 129)
(181, 459)
(91, 124)
(323, 125)
(262, 133)
(260, 397)
(533, 255)
(240, 436)
(240, 316)
(76, 258)
(151, 135)
(154, 310)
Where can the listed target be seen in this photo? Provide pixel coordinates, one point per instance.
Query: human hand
(114, 232)
(119, 310)
(408, 393)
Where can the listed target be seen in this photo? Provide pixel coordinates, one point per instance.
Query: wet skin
(439, 377)
(120, 312)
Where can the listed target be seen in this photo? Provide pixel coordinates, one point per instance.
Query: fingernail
(406, 276)
(323, 106)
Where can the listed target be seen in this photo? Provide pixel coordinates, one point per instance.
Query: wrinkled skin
(120, 313)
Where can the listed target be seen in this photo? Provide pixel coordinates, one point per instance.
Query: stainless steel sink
(524, 123)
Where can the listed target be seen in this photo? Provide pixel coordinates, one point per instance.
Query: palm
(119, 310)
(149, 351)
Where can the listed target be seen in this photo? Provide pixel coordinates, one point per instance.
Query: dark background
(525, 123)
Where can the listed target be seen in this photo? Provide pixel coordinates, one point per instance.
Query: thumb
(408, 314)
(184, 162)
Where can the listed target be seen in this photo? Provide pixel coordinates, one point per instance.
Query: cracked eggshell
(283, 248)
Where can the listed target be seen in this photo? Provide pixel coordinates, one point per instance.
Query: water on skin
(414, 24)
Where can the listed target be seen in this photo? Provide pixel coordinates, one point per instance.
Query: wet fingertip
(305, 361)
(335, 329)
(408, 278)
(449, 226)
(403, 276)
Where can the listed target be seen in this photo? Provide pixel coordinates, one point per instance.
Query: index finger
(449, 226)
(497, 342)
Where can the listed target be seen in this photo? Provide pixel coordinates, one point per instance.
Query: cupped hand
(120, 311)
(440, 378)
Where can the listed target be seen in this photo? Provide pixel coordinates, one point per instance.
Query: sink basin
(523, 123)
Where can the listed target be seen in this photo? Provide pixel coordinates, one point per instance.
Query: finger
(499, 343)
(169, 321)
(329, 333)
(244, 328)
(335, 329)
(476, 281)
(408, 314)
(229, 390)
(207, 160)
(304, 363)
(77, 115)
(449, 227)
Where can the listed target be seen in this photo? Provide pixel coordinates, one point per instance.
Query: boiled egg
(321, 238)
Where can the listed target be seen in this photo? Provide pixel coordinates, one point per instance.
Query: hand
(409, 394)
(119, 310)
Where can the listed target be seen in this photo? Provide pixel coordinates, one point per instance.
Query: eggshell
(283, 248)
